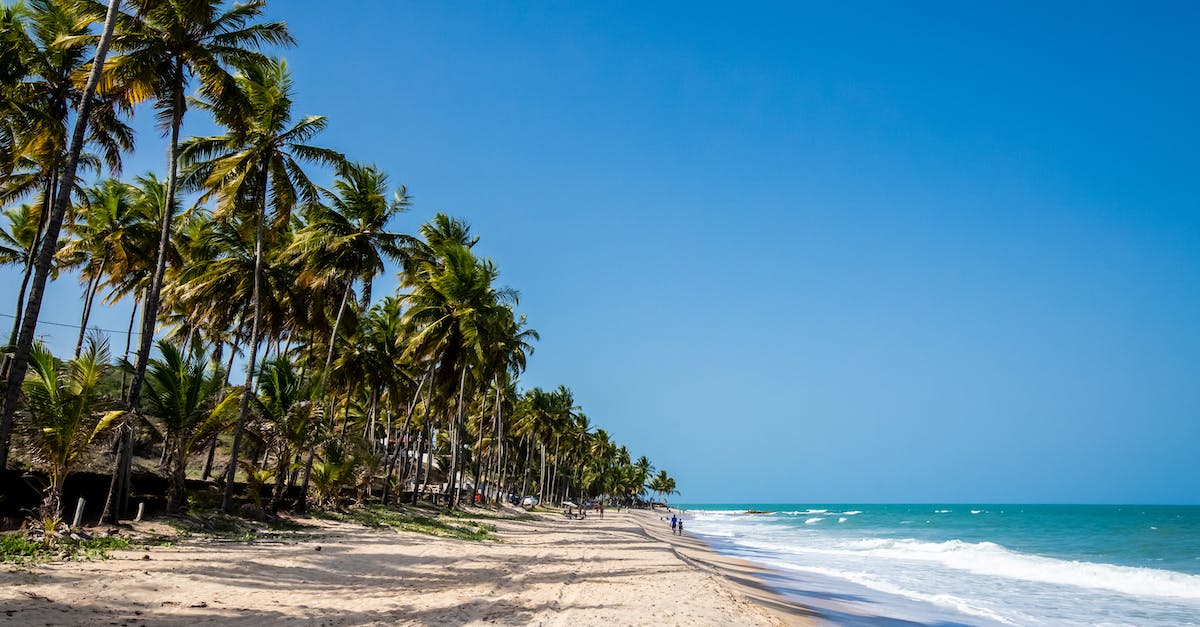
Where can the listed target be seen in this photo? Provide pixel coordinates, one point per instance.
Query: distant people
(680, 526)
(674, 524)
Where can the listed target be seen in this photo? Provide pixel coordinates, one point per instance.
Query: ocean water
(972, 564)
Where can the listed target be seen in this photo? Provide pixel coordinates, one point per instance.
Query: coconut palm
(452, 311)
(49, 245)
(256, 167)
(183, 403)
(110, 239)
(291, 419)
(63, 411)
(347, 241)
(17, 243)
(160, 48)
(15, 49)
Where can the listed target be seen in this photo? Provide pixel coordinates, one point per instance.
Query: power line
(70, 326)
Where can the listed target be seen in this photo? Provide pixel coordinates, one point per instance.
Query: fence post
(78, 513)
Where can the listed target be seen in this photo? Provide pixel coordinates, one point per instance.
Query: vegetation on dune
(266, 360)
(461, 528)
(20, 549)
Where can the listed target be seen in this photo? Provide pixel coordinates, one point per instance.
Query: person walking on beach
(680, 526)
(674, 524)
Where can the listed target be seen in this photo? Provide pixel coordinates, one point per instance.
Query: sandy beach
(624, 569)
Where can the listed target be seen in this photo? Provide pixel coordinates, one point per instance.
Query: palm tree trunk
(499, 437)
(208, 461)
(177, 495)
(31, 254)
(337, 322)
(525, 469)
(114, 503)
(129, 339)
(407, 422)
(248, 387)
(52, 506)
(419, 462)
(281, 481)
(45, 258)
(478, 461)
(308, 464)
(542, 474)
(455, 437)
(150, 307)
(89, 297)
(554, 475)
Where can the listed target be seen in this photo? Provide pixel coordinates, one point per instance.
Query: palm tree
(662, 484)
(62, 411)
(161, 46)
(15, 49)
(45, 256)
(291, 419)
(182, 399)
(17, 238)
(255, 166)
(644, 470)
(452, 311)
(109, 240)
(17, 244)
(349, 239)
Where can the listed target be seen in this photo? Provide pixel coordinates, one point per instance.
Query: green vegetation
(215, 525)
(345, 396)
(463, 529)
(18, 549)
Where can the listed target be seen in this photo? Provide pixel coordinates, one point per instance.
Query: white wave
(851, 513)
(941, 511)
(944, 600)
(987, 558)
(842, 519)
(814, 520)
(976, 511)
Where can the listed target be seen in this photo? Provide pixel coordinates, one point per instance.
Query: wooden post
(78, 513)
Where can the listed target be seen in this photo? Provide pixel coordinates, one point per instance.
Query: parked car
(529, 501)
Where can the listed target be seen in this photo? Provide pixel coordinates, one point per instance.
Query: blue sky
(812, 252)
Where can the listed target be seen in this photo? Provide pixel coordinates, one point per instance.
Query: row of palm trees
(343, 396)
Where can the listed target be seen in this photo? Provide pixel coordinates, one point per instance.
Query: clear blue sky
(833, 252)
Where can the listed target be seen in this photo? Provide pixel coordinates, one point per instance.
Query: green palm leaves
(64, 411)
(183, 400)
(256, 166)
(290, 419)
(662, 484)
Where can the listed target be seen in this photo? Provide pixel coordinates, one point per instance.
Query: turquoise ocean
(972, 564)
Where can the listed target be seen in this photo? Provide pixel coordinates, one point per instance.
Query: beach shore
(623, 569)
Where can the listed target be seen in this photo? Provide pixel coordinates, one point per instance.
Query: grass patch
(17, 549)
(216, 525)
(471, 515)
(416, 523)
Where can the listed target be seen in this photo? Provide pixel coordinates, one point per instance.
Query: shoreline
(545, 570)
(743, 576)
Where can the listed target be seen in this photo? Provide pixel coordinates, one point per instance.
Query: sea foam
(986, 558)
